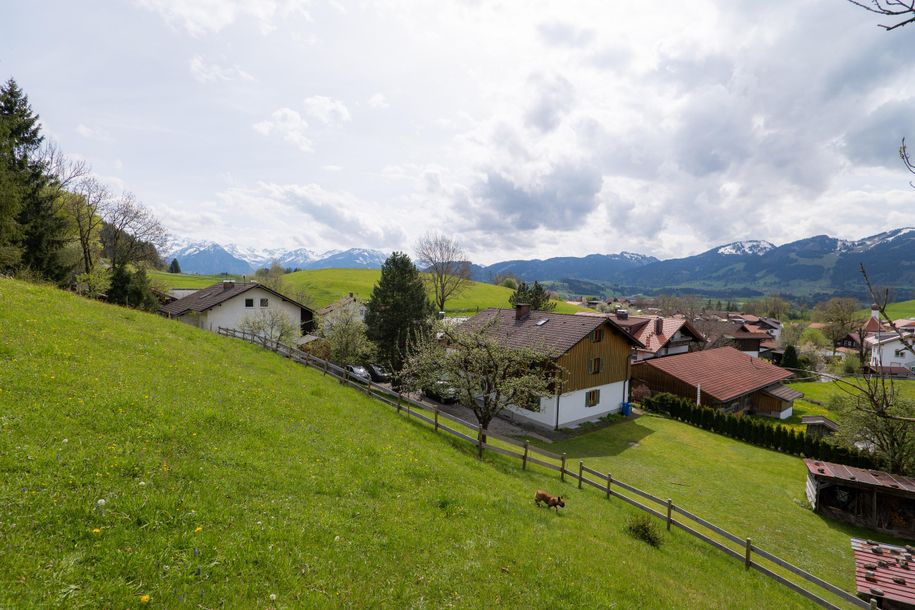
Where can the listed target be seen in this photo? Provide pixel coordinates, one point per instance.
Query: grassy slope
(823, 392)
(298, 486)
(328, 285)
(902, 309)
(747, 490)
(187, 280)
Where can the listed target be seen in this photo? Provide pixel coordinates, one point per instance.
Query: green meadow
(147, 462)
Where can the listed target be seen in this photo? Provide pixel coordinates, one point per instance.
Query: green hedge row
(756, 432)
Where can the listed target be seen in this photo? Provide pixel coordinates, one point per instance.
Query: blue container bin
(626, 410)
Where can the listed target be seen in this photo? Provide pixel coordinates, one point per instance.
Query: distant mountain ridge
(209, 257)
(813, 267)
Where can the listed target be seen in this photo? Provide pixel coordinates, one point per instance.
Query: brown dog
(551, 501)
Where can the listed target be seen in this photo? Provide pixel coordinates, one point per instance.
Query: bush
(644, 528)
(640, 393)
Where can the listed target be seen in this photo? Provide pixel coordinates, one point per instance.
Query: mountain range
(811, 268)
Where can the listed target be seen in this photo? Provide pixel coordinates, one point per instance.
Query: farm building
(722, 378)
(819, 426)
(591, 353)
(883, 574)
(866, 498)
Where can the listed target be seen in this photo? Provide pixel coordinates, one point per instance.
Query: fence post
(747, 559)
(581, 468)
(670, 508)
(562, 473)
(399, 398)
(609, 480)
(408, 409)
(873, 605)
(480, 443)
(436, 419)
(524, 459)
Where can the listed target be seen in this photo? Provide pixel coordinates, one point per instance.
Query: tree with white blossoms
(346, 337)
(487, 375)
(270, 325)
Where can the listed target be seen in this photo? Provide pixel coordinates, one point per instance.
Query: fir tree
(174, 267)
(789, 359)
(536, 296)
(398, 312)
(41, 230)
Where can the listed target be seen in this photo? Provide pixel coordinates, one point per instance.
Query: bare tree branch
(443, 261)
(132, 226)
(882, 302)
(890, 8)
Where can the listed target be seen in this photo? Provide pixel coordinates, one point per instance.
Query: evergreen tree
(398, 312)
(790, 359)
(42, 231)
(174, 267)
(132, 289)
(10, 202)
(536, 296)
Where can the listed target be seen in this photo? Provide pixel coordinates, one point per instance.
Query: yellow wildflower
(144, 599)
(198, 529)
(96, 530)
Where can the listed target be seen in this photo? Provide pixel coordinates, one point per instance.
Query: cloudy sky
(523, 129)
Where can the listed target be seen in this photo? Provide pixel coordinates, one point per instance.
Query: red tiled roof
(669, 326)
(554, 333)
(884, 571)
(723, 373)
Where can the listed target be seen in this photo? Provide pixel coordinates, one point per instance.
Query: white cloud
(93, 133)
(326, 109)
(379, 100)
(288, 124)
(206, 72)
(201, 17)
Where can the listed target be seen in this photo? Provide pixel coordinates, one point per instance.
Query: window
(595, 365)
(249, 302)
(597, 335)
(592, 398)
(263, 302)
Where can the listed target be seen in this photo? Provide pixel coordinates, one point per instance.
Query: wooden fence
(671, 514)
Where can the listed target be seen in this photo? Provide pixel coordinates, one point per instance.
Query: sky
(522, 129)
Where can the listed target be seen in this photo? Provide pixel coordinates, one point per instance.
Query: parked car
(442, 391)
(378, 373)
(358, 372)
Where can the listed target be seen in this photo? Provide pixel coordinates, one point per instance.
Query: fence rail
(751, 555)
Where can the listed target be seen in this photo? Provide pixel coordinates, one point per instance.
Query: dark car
(442, 391)
(378, 373)
(358, 372)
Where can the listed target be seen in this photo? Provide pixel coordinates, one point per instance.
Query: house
(226, 304)
(722, 378)
(659, 336)
(591, 354)
(348, 306)
(866, 498)
(887, 351)
(736, 334)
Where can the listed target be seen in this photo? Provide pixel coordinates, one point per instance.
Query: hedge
(755, 432)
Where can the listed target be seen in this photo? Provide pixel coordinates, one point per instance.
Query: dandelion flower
(144, 599)
(101, 502)
(198, 529)
(96, 530)
(273, 597)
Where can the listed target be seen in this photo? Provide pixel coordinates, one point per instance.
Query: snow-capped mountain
(209, 257)
(752, 247)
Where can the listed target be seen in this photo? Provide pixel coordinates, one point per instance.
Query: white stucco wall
(229, 314)
(572, 409)
(885, 355)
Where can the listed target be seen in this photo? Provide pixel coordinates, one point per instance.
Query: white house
(227, 304)
(590, 352)
(887, 351)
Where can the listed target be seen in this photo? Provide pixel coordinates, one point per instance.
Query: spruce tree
(398, 312)
(536, 296)
(790, 359)
(174, 267)
(41, 230)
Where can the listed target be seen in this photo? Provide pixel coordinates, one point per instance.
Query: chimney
(228, 284)
(622, 314)
(875, 311)
(522, 311)
(659, 326)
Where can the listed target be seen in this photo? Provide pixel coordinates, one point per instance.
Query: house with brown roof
(226, 304)
(349, 307)
(659, 336)
(721, 378)
(590, 355)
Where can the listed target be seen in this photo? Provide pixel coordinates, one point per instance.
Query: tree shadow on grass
(609, 441)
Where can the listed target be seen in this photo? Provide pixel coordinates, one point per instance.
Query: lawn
(749, 491)
(143, 457)
(328, 285)
(818, 394)
(187, 280)
(902, 309)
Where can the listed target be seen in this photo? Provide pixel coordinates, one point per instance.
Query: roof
(783, 392)
(882, 571)
(723, 373)
(819, 420)
(861, 477)
(654, 341)
(555, 333)
(211, 296)
(347, 300)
